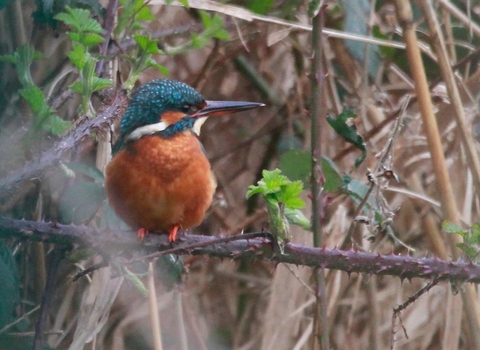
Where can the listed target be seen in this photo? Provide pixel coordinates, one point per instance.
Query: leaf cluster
(283, 202)
(86, 33)
(44, 116)
(277, 188)
(213, 29)
(342, 125)
(471, 239)
(134, 12)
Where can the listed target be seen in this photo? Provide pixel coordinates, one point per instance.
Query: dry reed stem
(404, 14)
(448, 30)
(438, 43)
(455, 12)
(153, 308)
(472, 309)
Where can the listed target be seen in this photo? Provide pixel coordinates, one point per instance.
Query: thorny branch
(115, 242)
(35, 168)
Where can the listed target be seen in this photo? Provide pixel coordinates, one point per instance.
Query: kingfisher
(159, 178)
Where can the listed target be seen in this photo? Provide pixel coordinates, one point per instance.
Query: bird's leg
(142, 233)
(172, 236)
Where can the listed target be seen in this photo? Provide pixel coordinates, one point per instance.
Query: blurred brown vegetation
(256, 305)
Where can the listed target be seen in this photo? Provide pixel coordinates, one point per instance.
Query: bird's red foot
(142, 233)
(172, 236)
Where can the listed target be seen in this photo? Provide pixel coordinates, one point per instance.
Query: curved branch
(36, 167)
(236, 247)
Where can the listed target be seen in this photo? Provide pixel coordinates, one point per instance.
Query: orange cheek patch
(170, 118)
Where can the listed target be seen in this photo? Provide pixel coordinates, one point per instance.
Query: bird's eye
(189, 109)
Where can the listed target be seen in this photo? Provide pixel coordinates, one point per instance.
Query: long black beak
(218, 108)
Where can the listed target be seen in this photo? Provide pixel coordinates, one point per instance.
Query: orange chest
(158, 183)
(166, 159)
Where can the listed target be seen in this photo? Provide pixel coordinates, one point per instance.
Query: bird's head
(167, 107)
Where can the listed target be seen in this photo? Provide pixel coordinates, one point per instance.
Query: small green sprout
(283, 203)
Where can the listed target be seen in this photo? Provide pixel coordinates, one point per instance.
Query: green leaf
(356, 19)
(221, 34)
(44, 116)
(253, 190)
(78, 56)
(22, 58)
(450, 227)
(198, 41)
(100, 83)
(294, 203)
(357, 190)
(469, 251)
(77, 87)
(80, 202)
(136, 281)
(79, 20)
(206, 19)
(296, 217)
(333, 179)
(159, 67)
(296, 165)
(144, 14)
(217, 22)
(147, 44)
(293, 189)
(288, 195)
(349, 133)
(90, 39)
(74, 37)
(56, 125)
(8, 58)
(68, 19)
(388, 52)
(170, 269)
(274, 179)
(184, 3)
(34, 97)
(260, 6)
(142, 41)
(475, 232)
(270, 183)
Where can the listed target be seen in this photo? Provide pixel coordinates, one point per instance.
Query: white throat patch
(146, 130)
(198, 125)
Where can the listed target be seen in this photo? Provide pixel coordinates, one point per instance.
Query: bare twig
(108, 26)
(408, 302)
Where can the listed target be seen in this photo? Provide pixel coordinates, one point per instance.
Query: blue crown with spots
(154, 98)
